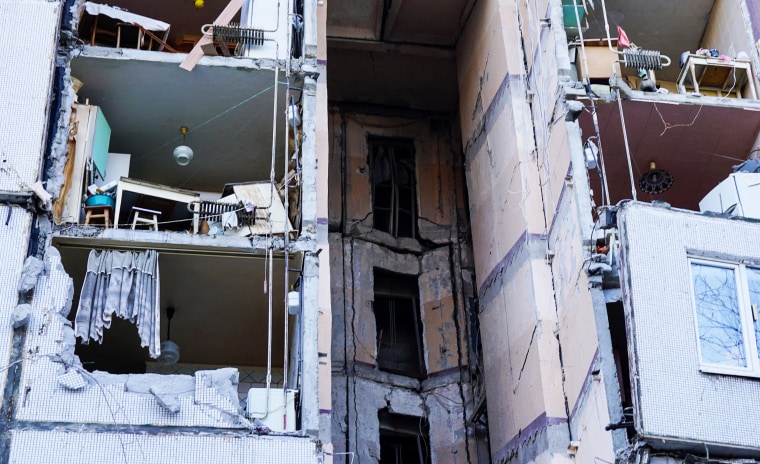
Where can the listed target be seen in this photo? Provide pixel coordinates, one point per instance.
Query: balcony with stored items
(266, 29)
(666, 98)
(698, 49)
(202, 153)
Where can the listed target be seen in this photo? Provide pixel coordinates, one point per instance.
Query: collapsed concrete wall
(439, 191)
(54, 410)
(56, 378)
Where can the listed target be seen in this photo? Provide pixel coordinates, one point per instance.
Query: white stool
(149, 216)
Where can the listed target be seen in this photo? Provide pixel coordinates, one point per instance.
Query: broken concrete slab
(169, 402)
(33, 267)
(73, 380)
(20, 315)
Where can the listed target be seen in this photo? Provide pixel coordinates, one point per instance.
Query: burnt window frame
(401, 154)
(398, 431)
(398, 295)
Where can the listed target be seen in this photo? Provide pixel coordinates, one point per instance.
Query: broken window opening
(394, 202)
(220, 320)
(297, 29)
(616, 320)
(398, 324)
(726, 298)
(403, 439)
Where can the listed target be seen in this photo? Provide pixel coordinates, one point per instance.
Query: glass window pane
(720, 329)
(384, 196)
(393, 174)
(382, 220)
(753, 283)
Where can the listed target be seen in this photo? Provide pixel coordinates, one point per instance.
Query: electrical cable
(286, 201)
(627, 148)
(594, 118)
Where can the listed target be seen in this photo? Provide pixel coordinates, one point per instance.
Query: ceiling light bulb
(183, 155)
(169, 353)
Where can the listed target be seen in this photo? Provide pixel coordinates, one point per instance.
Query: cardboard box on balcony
(599, 57)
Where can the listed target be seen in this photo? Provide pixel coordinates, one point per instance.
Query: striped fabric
(125, 284)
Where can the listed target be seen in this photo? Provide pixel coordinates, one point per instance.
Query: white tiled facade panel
(27, 54)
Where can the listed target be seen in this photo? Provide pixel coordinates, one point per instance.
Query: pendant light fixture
(169, 349)
(183, 154)
(655, 181)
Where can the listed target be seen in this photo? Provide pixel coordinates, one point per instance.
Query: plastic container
(100, 200)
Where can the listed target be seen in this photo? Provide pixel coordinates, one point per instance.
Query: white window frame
(745, 314)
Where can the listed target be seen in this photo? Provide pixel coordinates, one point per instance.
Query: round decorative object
(656, 181)
(183, 155)
(169, 353)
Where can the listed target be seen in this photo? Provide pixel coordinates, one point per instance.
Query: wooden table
(159, 191)
(715, 74)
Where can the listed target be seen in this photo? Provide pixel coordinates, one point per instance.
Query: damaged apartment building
(541, 223)
(316, 231)
(161, 246)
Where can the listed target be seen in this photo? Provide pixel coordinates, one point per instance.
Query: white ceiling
(221, 308)
(228, 110)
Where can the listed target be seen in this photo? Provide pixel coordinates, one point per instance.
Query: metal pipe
(607, 28)
(269, 219)
(627, 149)
(286, 234)
(583, 46)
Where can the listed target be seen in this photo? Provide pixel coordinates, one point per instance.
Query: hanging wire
(210, 120)
(286, 233)
(594, 118)
(627, 149)
(620, 108)
(270, 264)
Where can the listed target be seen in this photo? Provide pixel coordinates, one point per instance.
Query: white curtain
(124, 283)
